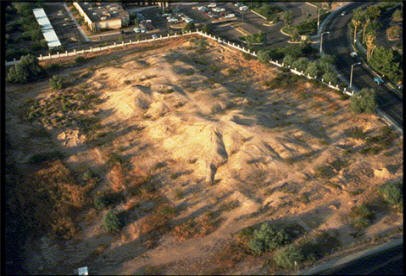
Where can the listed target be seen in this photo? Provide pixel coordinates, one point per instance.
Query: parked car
(202, 9)
(211, 5)
(230, 15)
(378, 80)
(137, 30)
(166, 15)
(353, 54)
(243, 8)
(238, 4)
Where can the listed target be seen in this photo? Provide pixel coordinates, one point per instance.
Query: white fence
(203, 34)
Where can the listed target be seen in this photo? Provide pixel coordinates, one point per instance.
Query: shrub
(289, 60)
(56, 82)
(80, 59)
(312, 69)
(364, 101)
(392, 193)
(300, 64)
(105, 200)
(330, 77)
(325, 171)
(266, 238)
(321, 245)
(360, 216)
(111, 222)
(263, 56)
(355, 132)
(24, 71)
(189, 27)
(288, 256)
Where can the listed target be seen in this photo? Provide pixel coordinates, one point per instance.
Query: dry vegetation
(188, 148)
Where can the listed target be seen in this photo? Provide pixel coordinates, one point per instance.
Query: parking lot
(64, 26)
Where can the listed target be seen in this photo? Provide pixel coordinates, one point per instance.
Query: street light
(318, 18)
(321, 40)
(352, 68)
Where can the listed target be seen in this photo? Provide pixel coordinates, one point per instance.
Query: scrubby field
(189, 145)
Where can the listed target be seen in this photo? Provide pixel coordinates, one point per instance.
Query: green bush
(361, 216)
(312, 69)
(392, 193)
(266, 238)
(330, 77)
(263, 56)
(189, 27)
(111, 222)
(24, 71)
(289, 60)
(300, 64)
(56, 82)
(287, 257)
(364, 101)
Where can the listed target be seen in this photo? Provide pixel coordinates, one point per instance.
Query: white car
(230, 15)
(154, 36)
(188, 20)
(211, 5)
(218, 9)
(173, 20)
(202, 9)
(243, 8)
(166, 14)
(137, 30)
(353, 54)
(343, 13)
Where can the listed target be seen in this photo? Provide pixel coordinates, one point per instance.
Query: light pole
(321, 40)
(352, 68)
(318, 18)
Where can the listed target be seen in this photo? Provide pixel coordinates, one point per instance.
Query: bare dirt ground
(198, 129)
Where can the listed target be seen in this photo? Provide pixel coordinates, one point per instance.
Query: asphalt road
(388, 262)
(338, 43)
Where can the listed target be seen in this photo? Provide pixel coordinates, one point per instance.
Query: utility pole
(318, 18)
(321, 41)
(352, 68)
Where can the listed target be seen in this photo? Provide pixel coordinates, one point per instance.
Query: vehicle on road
(243, 8)
(211, 5)
(202, 9)
(230, 15)
(343, 13)
(378, 80)
(353, 54)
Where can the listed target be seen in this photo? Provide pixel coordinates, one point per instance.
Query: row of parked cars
(215, 12)
(177, 18)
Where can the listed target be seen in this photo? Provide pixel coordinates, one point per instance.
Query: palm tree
(370, 43)
(357, 20)
(371, 14)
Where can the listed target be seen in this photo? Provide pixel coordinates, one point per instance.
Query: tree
(300, 64)
(312, 69)
(371, 14)
(189, 27)
(266, 238)
(325, 63)
(111, 222)
(56, 82)
(288, 60)
(387, 62)
(357, 19)
(364, 101)
(397, 16)
(370, 43)
(330, 77)
(207, 28)
(288, 256)
(24, 71)
(263, 56)
(287, 17)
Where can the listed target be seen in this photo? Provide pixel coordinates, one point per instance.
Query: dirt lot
(198, 143)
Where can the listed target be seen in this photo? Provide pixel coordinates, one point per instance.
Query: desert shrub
(107, 199)
(319, 246)
(111, 222)
(360, 216)
(300, 64)
(392, 193)
(263, 56)
(196, 227)
(330, 77)
(355, 132)
(364, 101)
(287, 257)
(26, 70)
(80, 59)
(56, 82)
(46, 156)
(267, 238)
(325, 171)
(189, 27)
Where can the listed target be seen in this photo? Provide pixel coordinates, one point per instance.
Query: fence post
(49, 54)
(40, 57)
(59, 55)
(74, 51)
(66, 53)
(14, 60)
(122, 43)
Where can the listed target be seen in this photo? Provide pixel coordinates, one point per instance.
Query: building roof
(100, 11)
(46, 28)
